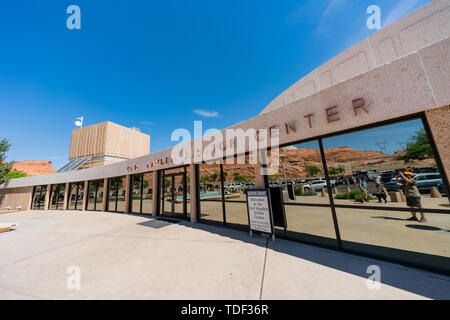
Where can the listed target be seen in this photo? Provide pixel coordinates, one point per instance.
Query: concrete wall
(16, 197)
(439, 121)
(416, 31)
(108, 139)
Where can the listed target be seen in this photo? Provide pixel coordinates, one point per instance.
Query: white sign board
(259, 214)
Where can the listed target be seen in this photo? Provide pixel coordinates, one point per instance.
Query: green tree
(417, 148)
(213, 176)
(334, 171)
(5, 167)
(15, 174)
(312, 170)
(204, 179)
(237, 177)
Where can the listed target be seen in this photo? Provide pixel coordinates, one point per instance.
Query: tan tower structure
(105, 143)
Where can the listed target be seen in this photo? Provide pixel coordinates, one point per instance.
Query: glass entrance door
(174, 193)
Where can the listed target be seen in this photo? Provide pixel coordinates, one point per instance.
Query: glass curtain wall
(95, 195)
(390, 195)
(39, 193)
(376, 191)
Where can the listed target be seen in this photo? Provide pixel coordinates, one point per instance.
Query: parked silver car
(317, 185)
(425, 181)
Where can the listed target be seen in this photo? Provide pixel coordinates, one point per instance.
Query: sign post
(259, 210)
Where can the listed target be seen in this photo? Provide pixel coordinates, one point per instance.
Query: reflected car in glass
(387, 176)
(426, 181)
(392, 186)
(317, 185)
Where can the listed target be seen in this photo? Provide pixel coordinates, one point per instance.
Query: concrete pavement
(136, 257)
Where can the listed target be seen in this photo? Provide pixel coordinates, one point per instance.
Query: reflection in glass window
(136, 191)
(147, 193)
(390, 235)
(39, 197)
(175, 192)
(57, 193)
(301, 167)
(116, 194)
(210, 193)
(369, 167)
(76, 192)
(142, 193)
(95, 195)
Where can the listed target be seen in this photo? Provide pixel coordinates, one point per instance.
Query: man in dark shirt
(412, 194)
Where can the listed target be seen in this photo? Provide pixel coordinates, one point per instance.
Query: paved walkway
(137, 257)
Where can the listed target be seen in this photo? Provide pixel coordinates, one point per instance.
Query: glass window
(142, 193)
(175, 192)
(116, 194)
(95, 195)
(238, 178)
(76, 193)
(300, 167)
(136, 193)
(39, 197)
(367, 166)
(147, 194)
(57, 194)
(210, 193)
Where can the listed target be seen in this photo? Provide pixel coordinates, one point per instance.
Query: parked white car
(317, 185)
(235, 186)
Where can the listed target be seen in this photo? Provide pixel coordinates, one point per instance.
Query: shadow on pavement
(395, 275)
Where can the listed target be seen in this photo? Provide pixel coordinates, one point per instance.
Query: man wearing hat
(412, 194)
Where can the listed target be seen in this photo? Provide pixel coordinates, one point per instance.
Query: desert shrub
(355, 195)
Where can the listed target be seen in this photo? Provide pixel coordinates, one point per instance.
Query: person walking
(363, 187)
(412, 194)
(381, 193)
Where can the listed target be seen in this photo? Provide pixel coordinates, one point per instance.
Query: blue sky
(160, 65)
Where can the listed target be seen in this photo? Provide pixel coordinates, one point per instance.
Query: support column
(127, 193)
(85, 195)
(66, 197)
(30, 202)
(259, 178)
(437, 120)
(155, 193)
(105, 195)
(47, 197)
(194, 186)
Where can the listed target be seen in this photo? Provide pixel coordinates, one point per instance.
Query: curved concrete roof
(418, 30)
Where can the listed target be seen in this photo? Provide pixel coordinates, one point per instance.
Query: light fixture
(79, 122)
